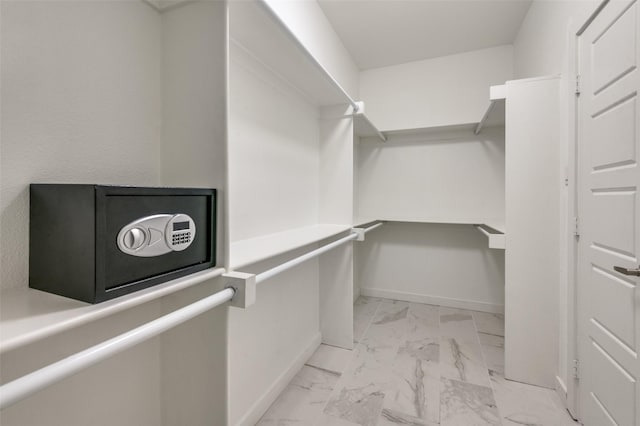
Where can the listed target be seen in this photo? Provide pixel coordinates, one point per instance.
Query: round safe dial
(134, 238)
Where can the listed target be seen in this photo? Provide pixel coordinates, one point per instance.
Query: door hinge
(576, 227)
(576, 369)
(577, 84)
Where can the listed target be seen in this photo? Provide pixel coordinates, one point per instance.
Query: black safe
(94, 242)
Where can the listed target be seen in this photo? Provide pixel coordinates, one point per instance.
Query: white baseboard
(561, 391)
(561, 388)
(263, 403)
(433, 300)
(356, 293)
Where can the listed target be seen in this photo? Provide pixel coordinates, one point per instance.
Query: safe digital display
(179, 226)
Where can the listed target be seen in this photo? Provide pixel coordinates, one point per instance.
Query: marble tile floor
(414, 364)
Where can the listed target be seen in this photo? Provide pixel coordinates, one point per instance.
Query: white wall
(452, 176)
(336, 200)
(310, 25)
(336, 296)
(441, 175)
(446, 265)
(290, 166)
(194, 355)
(193, 363)
(269, 342)
(81, 102)
(194, 102)
(542, 47)
(273, 135)
(122, 390)
(336, 165)
(356, 212)
(274, 172)
(533, 186)
(435, 92)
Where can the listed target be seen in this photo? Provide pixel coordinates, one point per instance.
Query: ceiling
(379, 33)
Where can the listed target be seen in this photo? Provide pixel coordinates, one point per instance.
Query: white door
(609, 215)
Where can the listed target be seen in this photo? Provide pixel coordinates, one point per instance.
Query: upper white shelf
(364, 128)
(498, 226)
(261, 33)
(247, 252)
(28, 315)
(493, 116)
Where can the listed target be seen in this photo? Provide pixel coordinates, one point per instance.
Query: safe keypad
(181, 238)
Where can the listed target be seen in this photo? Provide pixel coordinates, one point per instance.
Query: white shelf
(247, 252)
(360, 222)
(28, 315)
(364, 128)
(492, 229)
(494, 115)
(258, 30)
(498, 226)
(495, 237)
(434, 220)
(436, 131)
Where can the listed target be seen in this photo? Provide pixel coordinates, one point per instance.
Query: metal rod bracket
(245, 287)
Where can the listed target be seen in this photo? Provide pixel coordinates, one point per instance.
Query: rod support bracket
(245, 287)
(360, 232)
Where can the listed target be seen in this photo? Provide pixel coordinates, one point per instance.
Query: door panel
(606, 286)
(601, 416)
(617, 232)
(614, 50)
(616, 387)
(609, 210)
(607, 152)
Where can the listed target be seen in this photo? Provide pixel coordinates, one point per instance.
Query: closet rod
(317, 252)
(371, 228)
(298, 260)
(26, 385)
(306, 52)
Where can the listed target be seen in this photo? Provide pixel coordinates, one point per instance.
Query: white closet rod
(24, 386)
(20, 388)
(298, 260)
(371, 228)
(317, 252)
(312, 58)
